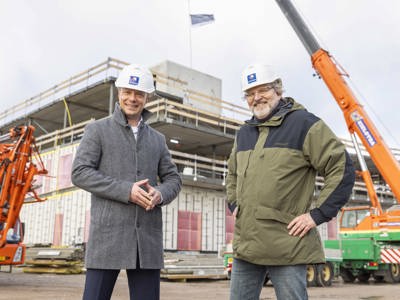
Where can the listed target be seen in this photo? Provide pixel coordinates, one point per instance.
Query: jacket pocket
(273, 214)
(272, 241)
(236, 236)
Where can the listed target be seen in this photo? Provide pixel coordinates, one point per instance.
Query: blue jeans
(247, 280)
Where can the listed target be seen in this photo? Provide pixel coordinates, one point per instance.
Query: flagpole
(190, 35)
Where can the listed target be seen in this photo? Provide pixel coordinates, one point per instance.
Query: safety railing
(63, 136)
(168, 110)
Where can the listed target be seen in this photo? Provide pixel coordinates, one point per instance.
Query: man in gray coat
(126, 166)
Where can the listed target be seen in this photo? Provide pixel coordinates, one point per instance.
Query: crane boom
(356, 118)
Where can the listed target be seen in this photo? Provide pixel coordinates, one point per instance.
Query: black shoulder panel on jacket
(292, 132)
(247, 138)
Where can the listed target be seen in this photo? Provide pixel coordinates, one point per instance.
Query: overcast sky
(44, 42)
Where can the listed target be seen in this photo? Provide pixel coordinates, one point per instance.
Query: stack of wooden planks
(185, 266)
(54, 260)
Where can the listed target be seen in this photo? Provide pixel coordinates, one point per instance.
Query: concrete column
(214, 148)
(111, 99)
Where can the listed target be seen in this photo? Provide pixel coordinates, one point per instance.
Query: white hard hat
(257, 74)
(137, 78)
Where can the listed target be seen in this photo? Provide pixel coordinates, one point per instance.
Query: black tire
(324, 274)
(311, 275)
(363, 276)
(346, 275)
(392, 274)
(379, 278)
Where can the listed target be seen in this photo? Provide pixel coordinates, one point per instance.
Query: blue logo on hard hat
(134, 80)
(251, 78)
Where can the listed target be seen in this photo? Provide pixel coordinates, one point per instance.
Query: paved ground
(20, 286)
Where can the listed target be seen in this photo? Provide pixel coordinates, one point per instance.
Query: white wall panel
(39, 218)
(170, 224)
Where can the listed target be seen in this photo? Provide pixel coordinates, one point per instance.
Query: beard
(261, 111)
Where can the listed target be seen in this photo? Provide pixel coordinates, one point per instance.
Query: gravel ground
(21, 286)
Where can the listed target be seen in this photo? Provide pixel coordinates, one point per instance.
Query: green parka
(271, 179)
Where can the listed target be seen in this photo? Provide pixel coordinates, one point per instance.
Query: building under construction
(199, 128)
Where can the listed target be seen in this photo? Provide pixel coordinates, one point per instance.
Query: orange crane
(17, 171)
(371, 245)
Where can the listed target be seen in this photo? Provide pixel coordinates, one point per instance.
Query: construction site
(198, 134)
(188, 110)
(50, 231)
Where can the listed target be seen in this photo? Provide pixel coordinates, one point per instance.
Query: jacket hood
(119, 116)
(285, 106)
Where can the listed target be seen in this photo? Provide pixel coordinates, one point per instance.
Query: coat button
(137, 225)
(138, 172)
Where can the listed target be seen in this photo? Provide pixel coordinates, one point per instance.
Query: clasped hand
(144, 195)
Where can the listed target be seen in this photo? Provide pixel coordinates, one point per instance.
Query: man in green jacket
(270, 185)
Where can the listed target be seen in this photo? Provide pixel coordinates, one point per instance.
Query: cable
(68, 112)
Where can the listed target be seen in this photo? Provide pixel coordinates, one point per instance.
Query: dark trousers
(143, 284)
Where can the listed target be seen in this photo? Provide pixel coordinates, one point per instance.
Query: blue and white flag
(201, 19)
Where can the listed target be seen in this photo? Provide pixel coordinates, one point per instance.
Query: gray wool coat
(108, 161)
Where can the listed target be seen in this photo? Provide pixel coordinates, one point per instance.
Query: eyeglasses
(262, 92)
